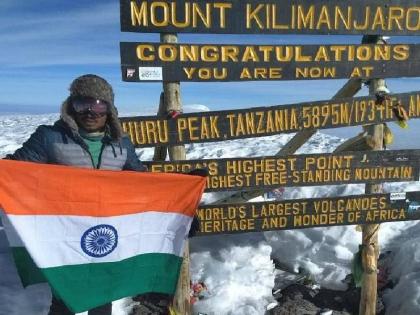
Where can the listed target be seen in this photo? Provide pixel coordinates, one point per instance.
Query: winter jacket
(62, 144)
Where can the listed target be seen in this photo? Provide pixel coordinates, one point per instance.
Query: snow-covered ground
(238, 269)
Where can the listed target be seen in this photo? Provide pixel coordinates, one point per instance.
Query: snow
(238, 269)
(405, 297)
(238, 278)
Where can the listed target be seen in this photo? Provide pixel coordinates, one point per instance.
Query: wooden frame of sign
(301, 170)
(170, 62)
(271, 17)
(306, 213)
(265, 121)
(149, 62)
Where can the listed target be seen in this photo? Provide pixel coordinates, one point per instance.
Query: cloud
(151, 110)
(192, 108)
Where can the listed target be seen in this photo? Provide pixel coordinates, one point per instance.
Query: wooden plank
(160, 151)
(301, 170)
(307, 213)
(264, 121)
(149, 62)
(354, 17)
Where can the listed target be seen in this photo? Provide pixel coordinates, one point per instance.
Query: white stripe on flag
(56, 240)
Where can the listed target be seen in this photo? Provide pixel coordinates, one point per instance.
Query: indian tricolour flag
(97, 236)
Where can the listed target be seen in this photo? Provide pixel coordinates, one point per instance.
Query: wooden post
(351, 87)
(172, 102)
(161, 150)
(370, 246)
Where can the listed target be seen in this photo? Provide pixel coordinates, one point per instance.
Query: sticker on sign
(150, 73)
(397, 196)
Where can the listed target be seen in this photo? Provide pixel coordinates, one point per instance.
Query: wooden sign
(264, 121)
(272, 17)
(301, 170)
(148, 62)
(306, 213)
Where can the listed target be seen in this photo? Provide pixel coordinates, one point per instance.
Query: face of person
(91, 122)
(90, 113)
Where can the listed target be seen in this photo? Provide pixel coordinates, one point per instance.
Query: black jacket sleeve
(34, 149)
(133, 163)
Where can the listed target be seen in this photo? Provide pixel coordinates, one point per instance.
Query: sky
(45, 44)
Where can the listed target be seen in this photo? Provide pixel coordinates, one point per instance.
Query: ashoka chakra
(100, 240)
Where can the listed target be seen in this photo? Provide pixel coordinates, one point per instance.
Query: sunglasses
(88, 105)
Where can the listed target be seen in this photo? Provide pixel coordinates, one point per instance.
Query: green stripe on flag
(28, 272)
(86, 286)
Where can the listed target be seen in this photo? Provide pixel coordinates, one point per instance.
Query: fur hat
(92, 86)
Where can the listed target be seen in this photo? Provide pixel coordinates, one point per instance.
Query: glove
(195, 225)
(203, 172)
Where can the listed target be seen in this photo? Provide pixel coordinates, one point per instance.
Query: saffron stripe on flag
(62, 190)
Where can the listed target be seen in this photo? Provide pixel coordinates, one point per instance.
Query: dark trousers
(59, 308)
(152, 304)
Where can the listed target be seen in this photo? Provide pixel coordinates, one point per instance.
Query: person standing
(89, 135)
